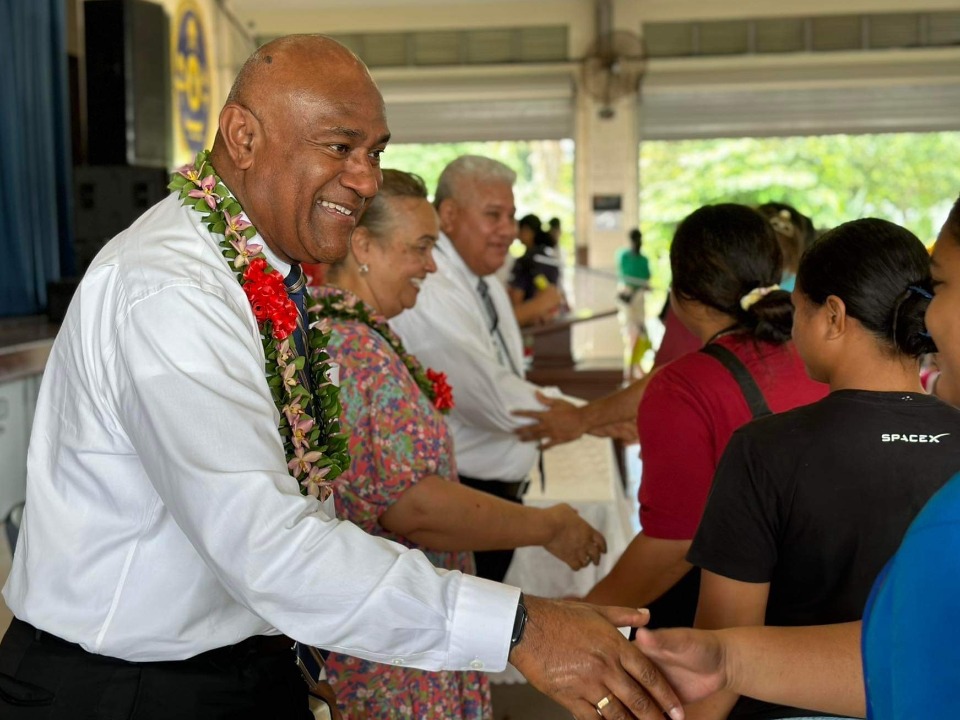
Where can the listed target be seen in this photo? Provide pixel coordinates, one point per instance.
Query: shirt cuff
(482, 625)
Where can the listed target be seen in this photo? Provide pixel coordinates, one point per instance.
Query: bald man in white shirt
(463, 324)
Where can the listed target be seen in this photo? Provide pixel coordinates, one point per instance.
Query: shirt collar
(446, 248)
(276, 263)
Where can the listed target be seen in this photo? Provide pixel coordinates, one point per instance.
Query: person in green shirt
(633, 271)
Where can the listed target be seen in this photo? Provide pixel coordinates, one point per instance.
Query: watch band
(519, 623)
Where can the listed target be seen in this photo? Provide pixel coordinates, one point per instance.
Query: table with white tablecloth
(584, 475)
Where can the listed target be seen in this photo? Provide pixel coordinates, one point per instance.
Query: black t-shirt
(816, 500)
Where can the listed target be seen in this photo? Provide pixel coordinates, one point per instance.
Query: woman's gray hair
(471, 168)
(396, 184)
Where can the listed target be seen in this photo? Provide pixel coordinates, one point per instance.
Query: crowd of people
(247, 498)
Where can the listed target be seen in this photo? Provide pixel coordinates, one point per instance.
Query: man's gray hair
(470, 168)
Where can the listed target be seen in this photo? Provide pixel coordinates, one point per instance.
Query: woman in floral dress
(402, 482)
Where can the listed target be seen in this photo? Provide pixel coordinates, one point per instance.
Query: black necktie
(503, 355)
(296, 284)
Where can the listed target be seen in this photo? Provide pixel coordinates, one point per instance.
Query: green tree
(908, 178)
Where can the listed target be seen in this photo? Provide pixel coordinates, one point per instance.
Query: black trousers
(493, 564)
(44, 677)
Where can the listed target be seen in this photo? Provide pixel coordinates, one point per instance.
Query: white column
(607, 159)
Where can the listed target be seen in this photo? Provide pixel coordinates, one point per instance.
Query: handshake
(574, 653)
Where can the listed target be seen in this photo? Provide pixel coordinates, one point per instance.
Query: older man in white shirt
(463, 324)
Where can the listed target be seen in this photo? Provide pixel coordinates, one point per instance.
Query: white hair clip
(751, 298)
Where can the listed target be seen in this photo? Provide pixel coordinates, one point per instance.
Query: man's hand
(574, 653)
(574, 540)
(561, 422)
(695, 661)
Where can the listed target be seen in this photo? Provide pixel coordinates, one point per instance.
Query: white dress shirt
(449, 330)
(160, 519)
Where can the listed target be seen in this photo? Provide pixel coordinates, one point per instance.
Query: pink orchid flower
(206, 192)
(190, 173)
(293, 410)
(303, 461)
(300, 429)
(284, 353)
(314, 483)
(289, 376)
(236, 224)
(244, 250)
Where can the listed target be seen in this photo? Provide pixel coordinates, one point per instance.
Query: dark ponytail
(794, 231)
(881, 271)
(720, 253)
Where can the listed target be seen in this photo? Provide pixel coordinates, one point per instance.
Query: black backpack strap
(748, 386)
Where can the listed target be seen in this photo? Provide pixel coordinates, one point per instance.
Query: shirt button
(397, 661)
(476, 665)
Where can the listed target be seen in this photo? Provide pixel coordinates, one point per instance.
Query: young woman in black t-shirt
(807, 506)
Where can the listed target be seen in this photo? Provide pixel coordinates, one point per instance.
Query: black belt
(257, 644)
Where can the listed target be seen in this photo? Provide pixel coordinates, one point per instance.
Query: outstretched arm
(563, 421)
(816, 667)
(538, 308)
(646, 570)
(725, 602)
(444, 515)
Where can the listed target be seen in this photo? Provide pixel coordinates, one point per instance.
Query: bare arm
(562, 421)
(726, 603)
(816, 667)
(647, 569)
(444, 515)
(536, 309)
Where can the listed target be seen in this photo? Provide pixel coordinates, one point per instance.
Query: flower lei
(309, 424)
(347, 306)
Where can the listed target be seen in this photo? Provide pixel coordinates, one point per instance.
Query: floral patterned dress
(396, 437)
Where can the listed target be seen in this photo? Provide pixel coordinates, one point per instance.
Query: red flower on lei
(268, 298)
(442, 392)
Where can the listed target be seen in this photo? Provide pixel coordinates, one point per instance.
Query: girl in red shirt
(726, 264)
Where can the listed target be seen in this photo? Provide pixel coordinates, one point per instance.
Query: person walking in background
(633, 273)
(555, 230)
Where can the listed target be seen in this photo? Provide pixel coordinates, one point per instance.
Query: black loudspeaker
(107, 199)
(128, 83)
